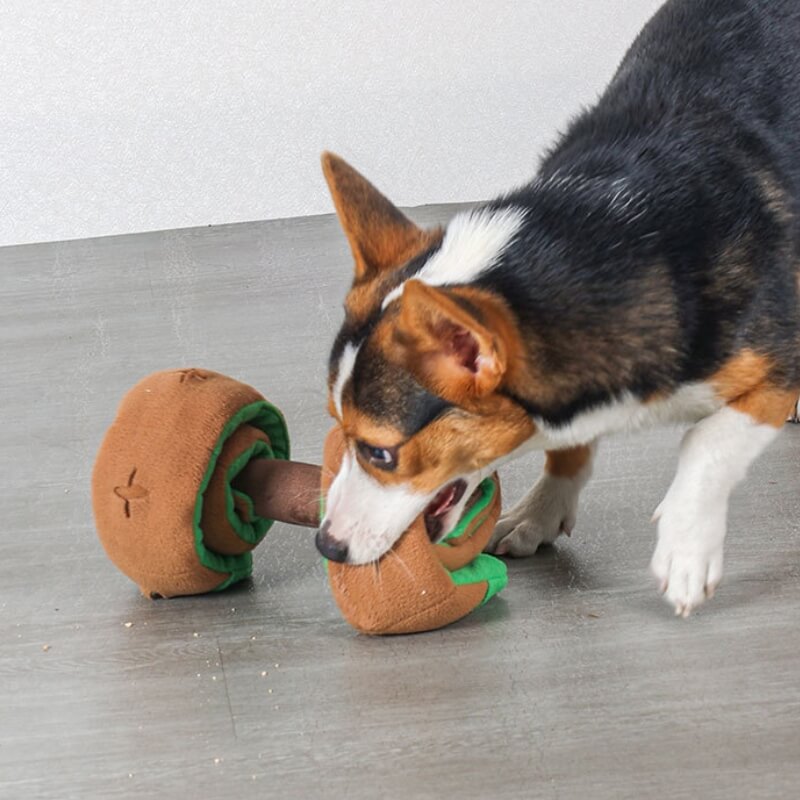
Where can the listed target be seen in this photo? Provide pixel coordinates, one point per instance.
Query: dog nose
(331, 548)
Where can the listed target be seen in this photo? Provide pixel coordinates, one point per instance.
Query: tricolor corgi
(647, 275)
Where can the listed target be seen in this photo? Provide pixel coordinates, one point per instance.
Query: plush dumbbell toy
(195, 468)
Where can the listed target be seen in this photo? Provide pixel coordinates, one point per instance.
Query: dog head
(417, 370)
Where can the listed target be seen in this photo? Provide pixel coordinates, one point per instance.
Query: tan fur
(452, 445)
(768, 405)
(744, 383)
(567, 463)
(428, 315)
(746, 371)
(380, 236)
(365, 297)
(775, 196)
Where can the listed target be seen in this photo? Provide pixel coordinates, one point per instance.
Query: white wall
(131, 116)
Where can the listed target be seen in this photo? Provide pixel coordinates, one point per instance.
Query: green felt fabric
(488, 489)
(483, 568)
(251, 531)
(268, 418)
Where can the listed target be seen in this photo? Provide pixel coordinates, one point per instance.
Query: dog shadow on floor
(556, 567)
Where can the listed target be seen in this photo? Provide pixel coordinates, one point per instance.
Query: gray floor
(576, 683)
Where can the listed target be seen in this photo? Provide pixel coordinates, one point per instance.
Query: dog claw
(683, 610)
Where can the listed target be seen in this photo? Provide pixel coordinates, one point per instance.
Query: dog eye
(381, 457)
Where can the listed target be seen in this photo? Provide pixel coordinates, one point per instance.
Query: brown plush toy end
(419, 586)
(165, 508)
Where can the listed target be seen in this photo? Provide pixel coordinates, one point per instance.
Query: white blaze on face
(472, 243)
(367, 516)
(346, 363)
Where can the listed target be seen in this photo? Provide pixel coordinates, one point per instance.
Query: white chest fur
(689, 404)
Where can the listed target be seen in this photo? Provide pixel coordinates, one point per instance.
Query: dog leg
(549, 508)
(795, 414)
(714, 456)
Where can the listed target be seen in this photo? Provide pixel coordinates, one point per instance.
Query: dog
(647, 275)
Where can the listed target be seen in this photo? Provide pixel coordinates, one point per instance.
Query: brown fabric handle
(288, 491)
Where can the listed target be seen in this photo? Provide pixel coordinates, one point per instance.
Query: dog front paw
(522, 537)
(687, 576)
(546, 512)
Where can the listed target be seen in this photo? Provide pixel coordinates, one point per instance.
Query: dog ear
(451, 341)
(380, 235)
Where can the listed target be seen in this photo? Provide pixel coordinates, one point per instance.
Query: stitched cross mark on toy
(192, 375)
(131, 491)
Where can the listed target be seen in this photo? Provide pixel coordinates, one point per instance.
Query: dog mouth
(444, 502)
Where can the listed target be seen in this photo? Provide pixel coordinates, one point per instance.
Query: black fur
(700, 130)
(387, 392)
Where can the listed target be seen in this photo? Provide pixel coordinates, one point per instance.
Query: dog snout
(331, 548)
